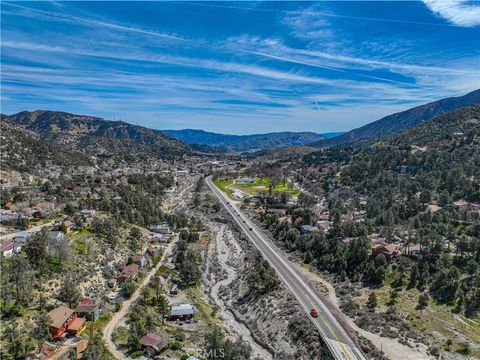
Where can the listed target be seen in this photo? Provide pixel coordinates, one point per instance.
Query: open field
(259, 185)
(223, 185)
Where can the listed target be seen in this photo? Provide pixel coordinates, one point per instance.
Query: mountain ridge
(403, 120)
(246, 142)
(95, 135)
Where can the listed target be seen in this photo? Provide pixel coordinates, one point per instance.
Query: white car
(112, 295)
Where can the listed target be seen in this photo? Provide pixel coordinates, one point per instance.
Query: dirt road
(170, 202)
(119, 315)
(32, 230)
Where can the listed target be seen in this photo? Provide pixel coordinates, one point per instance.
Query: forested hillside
(98, 136)
(403, 120)
(245, 142)
(403, 224)
(22, 150)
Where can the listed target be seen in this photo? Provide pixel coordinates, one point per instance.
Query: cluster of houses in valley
(12, 243)
(161, 235)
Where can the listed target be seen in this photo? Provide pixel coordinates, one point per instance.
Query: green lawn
(222, 185)
(262, 184)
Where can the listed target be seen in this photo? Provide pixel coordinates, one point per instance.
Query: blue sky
(237, 67)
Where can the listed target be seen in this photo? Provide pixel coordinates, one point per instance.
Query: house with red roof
(129, 272)
(64, 320)
(10, 248)
(154, 344)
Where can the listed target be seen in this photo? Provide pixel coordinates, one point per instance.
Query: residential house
(68, 224)
(307, 229)
(88, 213)
(61, 318)
(54, 236)
(182, 312)
(152, 251)
(22, 237)
(81, 347)
(324, 225)
(128, 272)
(8, 217)
(117, 199)
(44, 209)
(389, 250)
(162, 229)
(466, 206)
(433, 208)
(77, 326)
(324, 216)
(140, 260)
(154, 344)
(10, 248)
(279, 212)
(159, 238)
(47, 351)
(89, 309)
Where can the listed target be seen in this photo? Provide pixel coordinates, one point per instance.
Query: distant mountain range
(248, 142)
(94, 135)
(64, 133)
(403, 120)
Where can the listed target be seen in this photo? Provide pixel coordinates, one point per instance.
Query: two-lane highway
(340, 344)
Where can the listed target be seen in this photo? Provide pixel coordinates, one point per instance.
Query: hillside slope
(245, 142)
(98, 136)
(23, 150)
(403, 120)
(442, 154)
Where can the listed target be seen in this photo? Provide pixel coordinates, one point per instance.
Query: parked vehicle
(314, 313)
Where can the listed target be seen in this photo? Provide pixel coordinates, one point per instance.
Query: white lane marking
(289, 272)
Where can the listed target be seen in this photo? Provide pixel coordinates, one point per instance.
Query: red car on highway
(314, 313)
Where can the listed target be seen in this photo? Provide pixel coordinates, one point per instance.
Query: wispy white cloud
(457, 12)
(315, 14)
(70, 18)
(309, 24)
(212, 65)
(175, 79)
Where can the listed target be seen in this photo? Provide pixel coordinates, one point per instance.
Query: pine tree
(393, 299)
(372, 301)
(69, 292)
(412, 282)
(162, 304)
(423, 300)
(308, 257)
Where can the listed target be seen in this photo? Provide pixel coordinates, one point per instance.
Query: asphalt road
(340, 344)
